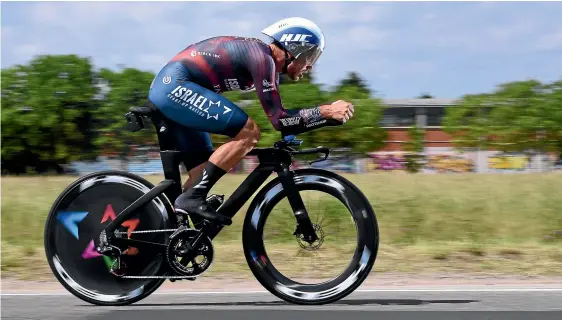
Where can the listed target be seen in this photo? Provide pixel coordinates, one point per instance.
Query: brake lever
(325, 151)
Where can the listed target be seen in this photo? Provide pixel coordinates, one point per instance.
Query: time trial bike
(112, 237)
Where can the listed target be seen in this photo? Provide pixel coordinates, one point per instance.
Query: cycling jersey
(187, 90)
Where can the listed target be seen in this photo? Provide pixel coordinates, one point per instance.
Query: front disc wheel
(331, 269)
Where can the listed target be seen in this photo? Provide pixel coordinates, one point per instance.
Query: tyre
(363, 255)
(77, 217)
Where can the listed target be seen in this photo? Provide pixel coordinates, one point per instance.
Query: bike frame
(273, 159)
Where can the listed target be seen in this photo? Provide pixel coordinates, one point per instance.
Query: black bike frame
(274, 159)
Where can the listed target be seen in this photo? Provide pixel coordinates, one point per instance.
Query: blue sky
(401, 49)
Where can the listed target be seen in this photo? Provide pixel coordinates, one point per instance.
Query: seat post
(171, 164)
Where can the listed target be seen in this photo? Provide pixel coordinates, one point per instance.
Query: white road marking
(460, 290)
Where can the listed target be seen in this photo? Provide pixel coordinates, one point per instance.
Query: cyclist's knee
(255, 130)
(250, 133)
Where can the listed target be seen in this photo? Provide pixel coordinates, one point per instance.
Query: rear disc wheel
(76, 219)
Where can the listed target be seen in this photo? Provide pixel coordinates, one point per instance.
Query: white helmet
(301, 37)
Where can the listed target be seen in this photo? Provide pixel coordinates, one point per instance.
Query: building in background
(401, 114)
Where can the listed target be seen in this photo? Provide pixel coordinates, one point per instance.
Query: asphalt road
(529, 302)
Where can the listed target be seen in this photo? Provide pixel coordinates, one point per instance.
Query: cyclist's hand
(339, 110)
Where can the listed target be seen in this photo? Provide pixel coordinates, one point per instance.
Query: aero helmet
(301, 37)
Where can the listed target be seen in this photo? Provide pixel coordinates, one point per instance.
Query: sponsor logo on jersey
(232, 84)
(211, 103)
(268, 86)
(291, 37)
(195, 53)
(316, 123)
(198, 103)
(290, 121)
(167, 80)
(247, 38)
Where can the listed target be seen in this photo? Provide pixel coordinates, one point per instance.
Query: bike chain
(121, 233)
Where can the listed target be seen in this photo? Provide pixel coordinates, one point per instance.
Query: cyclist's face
(297, 68)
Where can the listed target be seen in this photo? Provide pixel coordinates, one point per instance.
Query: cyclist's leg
(233, 150)
(228, 155)
(196, 144)
(193, 174)
(203, 110)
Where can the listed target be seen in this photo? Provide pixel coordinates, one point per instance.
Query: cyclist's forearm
(301, 120)
(310, 115)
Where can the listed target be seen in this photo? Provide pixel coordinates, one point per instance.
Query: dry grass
(489, 223)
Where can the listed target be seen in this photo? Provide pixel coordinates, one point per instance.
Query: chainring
(176, 259)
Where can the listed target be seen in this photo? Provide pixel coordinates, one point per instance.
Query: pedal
(215, 200)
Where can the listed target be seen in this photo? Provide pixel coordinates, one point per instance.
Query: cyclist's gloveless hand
(340, 110)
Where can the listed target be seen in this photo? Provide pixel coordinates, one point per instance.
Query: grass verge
(485, 223)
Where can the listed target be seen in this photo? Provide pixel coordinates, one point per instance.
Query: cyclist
(187, 91)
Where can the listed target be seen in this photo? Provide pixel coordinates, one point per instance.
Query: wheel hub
(311, 245)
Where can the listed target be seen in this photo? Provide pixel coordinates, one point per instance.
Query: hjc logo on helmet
(299, 37)
(288, 37)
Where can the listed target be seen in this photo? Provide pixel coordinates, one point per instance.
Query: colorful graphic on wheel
(71, 219)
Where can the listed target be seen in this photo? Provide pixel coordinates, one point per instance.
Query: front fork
(304, 225)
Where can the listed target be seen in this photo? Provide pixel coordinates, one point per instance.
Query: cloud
(95, 14)
(399, 48)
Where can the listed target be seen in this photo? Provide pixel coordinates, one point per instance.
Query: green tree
(415, 146)
(127, 88)
(553, 111)
(527, 116)
(468, 121)
(514, 117)
(362, 133)
(353, 85)
(47, 113)
(518, 116)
